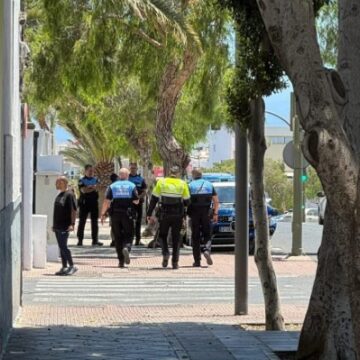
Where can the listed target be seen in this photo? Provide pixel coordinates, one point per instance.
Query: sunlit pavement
(147, 312)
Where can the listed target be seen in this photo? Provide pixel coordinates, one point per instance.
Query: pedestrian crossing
(150, 291)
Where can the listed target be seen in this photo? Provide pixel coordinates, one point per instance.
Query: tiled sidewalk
(165, 341)
(46, 331)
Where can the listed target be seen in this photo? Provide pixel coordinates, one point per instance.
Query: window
(226, 194)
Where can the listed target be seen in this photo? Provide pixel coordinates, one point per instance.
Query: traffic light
(304, 176)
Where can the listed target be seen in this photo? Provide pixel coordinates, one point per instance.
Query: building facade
(220, 146)
(10, 168)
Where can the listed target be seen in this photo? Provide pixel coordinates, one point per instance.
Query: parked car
(223, 231)
(321, 207)
(312, 215)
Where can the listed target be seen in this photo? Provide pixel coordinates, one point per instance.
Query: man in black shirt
(88, 203)
(141, 187)
(63, 222)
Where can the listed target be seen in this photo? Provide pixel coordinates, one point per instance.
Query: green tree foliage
(278, 185)
(313, 185)
(327, 30)
(257, 72)
(79, 45)
(97, 51)
(223, 166)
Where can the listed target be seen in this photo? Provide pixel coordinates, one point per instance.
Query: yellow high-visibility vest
(171, 187)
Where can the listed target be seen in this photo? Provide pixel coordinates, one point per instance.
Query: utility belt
(203, 200)
(170, 207)
(129, 212)
(171, 201)
(194, 210)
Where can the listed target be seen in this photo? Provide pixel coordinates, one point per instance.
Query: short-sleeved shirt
(87, 181)
(172, 188)
(121, 193)
(64, 205)
(201, 192)
(139, 182)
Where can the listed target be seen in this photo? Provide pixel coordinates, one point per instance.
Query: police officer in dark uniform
(202, 196)
(121, 195)
(141, 187)
(88, 203)
(173, 195)
(113, 177)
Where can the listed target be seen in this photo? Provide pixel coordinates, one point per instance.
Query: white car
(312, 215)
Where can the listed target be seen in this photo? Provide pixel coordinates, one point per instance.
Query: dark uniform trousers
(87, 206)
(201, 231)
(122, 227)
(174, 222)
(139, 213)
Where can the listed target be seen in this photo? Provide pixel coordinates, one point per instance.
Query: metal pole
(298, 188)
(241, 222)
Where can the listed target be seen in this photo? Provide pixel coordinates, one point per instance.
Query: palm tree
(94, 143)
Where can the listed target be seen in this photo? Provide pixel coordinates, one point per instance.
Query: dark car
(223, 230)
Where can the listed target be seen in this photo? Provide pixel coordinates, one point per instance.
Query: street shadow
(148, 341)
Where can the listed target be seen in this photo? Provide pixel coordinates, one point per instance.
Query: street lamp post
(298, 186)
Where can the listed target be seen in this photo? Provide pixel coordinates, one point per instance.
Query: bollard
(39, 240)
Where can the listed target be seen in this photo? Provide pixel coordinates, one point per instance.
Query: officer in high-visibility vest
(202, 196)
(173, 196)
(121, 195)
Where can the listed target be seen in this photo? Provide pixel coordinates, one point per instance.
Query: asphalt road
(311, 237)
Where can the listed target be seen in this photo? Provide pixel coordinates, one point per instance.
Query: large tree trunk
(103, 170)
(257, 143)
(332, 324)
(141, 142)
(174, 77)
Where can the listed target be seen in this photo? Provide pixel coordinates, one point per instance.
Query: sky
(276, 103)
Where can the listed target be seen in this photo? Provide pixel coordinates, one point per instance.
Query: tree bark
(143, 146)
(172, 82)
(103, 170)
(332, 325)
(257, 143)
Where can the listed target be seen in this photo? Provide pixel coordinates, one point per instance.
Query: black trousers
(86, 207)
(62, 239)
(122, 227)
(201, 232)
(174, 222)
(139, 213)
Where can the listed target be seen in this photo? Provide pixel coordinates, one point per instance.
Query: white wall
(10, 168)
